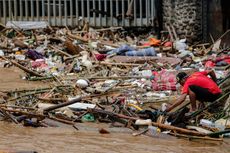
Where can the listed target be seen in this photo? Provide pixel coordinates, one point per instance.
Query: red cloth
(168, 44)
(209, 64)
(227, 61)
(224, 58)
(100, 57)
(200, 79)
(164, 80)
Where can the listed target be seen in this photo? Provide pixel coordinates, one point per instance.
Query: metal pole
(111, 12)
(21, 13)
(65, 5)
(54, 12)
(100, 20)
(123, 12)
(32, 9)
(4, 11)
(71, 12)
(77, 13)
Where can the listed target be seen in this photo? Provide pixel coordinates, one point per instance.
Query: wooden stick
(20, 107)
(24, 113)
(60, 51)
(112, 114)
(196, 137)
(208, 50)
(8, 115)
(140, 133)
(51, 99)
(170, 32)
(109, 44)
(80, 116)
(39, 89)
(41, 78)
(181, 130)
(22, 67)
(121, 64)
(61, 120)
(46, 110)
(28, 94)
(77, 37)
(174, 31)
(120, 77)
(130, 8)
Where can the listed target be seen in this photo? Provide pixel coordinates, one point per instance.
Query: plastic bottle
(154, 131)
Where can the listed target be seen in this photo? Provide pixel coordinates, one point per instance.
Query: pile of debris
(111, 76)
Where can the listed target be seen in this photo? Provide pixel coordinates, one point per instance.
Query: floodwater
(69, 140)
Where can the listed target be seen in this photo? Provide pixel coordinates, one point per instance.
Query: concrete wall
(185, 16)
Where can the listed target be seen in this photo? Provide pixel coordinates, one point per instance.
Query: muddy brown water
(68, 140)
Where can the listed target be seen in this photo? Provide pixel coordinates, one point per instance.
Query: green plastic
(88, 118)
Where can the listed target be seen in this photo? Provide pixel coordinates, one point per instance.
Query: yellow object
(190, 49)
(158, 130)
(18, 52)
(135, 106)
(154, 42)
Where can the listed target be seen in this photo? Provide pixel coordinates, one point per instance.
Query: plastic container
(20, 57)
(207, 123)
(88, 118)
(146, 73)
(1, 53)
(82, 83)
(143, 122)
(154, 131)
